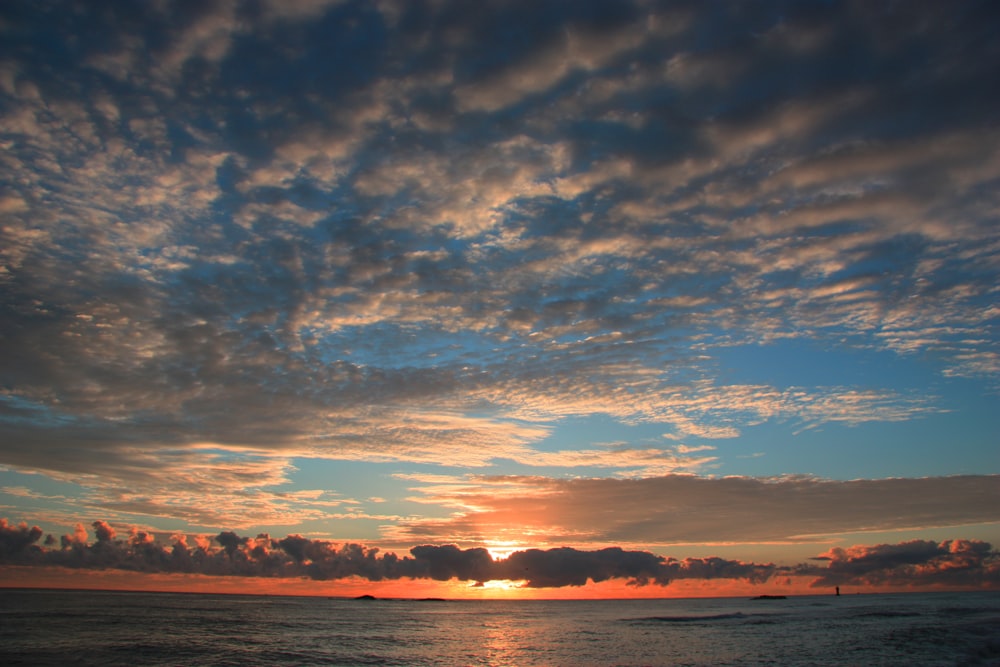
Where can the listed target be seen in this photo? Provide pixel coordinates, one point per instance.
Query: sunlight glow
(502, 584)
(502, 550)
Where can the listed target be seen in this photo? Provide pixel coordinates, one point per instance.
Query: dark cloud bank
(954, 563)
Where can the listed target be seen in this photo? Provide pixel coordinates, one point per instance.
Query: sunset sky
(535, 298)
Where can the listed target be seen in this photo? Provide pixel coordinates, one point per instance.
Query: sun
(502, 585)
(501, 550)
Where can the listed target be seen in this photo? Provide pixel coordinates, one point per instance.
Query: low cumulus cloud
(915, 563)
(953, 562)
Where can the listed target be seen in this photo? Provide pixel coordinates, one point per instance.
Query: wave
(885, 613)
(692, 618)
(968, 611)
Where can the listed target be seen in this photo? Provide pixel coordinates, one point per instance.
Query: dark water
(109, 628)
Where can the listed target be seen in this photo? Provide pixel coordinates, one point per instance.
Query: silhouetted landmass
(769, 597)
(366, 597)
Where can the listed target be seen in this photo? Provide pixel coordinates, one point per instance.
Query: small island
(770, 597)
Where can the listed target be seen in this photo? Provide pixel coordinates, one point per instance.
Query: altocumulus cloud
(954, 562)
(236, 234)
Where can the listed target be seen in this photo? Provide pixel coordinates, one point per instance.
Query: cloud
(223, 248)
(605, 31)
(124, 471)
(297, 556)
(17, 539)
(685, 509)
(916, 563)
(960, 563)
(569, 567)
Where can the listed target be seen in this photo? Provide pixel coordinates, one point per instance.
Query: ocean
(46, 627)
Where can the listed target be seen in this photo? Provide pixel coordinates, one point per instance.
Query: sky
(500, 298)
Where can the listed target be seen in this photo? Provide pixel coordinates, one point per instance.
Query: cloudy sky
(632, 291)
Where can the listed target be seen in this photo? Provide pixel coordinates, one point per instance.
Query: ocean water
(114, 628)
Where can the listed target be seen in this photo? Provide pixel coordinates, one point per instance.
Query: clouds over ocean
(962, 563)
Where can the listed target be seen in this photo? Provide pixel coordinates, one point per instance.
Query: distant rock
(769, 597)
(366, 597)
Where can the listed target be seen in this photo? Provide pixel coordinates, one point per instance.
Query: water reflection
(120, 629)
(501, 638)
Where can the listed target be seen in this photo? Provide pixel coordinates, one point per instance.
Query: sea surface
(45, 627)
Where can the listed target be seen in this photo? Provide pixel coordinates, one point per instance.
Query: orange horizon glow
(54, 578)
